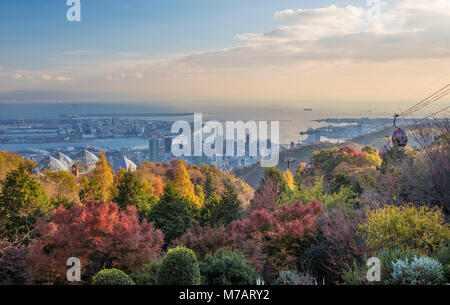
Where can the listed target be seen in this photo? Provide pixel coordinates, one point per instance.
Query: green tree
(208, 208)
(147, 274)
(179, 267)
(112, 277)
(210, 186)
(171, 214)
(131, 191)
(227, 267)
(228, 209)
(22, 201)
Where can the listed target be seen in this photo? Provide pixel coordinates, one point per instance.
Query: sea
(292, 118)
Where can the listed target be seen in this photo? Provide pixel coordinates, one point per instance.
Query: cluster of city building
(59, 144)
(74, 129)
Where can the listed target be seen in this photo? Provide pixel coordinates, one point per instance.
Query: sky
(225, 51)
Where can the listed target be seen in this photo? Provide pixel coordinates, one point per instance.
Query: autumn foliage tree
(10, 161)
(99, 235)
(99, 187)
(281, 234)
(182, 183)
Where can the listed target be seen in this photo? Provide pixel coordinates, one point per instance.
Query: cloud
(76, 52)
(413, 29)
(64, 79)
(17, 76)
(306, 46)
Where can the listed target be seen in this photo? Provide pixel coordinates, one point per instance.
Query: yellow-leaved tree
(406, 227)
(103, 178)
(289, 179)
(182, 183)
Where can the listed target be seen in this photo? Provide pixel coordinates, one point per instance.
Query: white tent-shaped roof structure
(86, 158)
(65, 159)
(50, 164)
(125, 163)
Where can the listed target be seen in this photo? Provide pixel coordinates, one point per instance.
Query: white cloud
(64, 79)
(17, 76)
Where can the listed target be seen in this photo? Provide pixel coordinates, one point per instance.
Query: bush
(289, 277)
(281, 235)
(356, 275)
(421, 229)
(179, 267)
(227, 267)
(13, 265)
(204, 240)
(147, 274)
(112, 277)
(443, 256)
(337, 246)
(419, 271)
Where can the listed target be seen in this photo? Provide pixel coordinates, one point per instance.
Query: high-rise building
(153, 147)
(168, 144)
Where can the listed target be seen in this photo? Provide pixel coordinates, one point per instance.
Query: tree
(112, 277)
(336, 247)
(406, 227)
(281, 234)
(99, 187)
(10, 161)
(22, 201)
(228, 209)
(265, 198)
(179, 267)
(131, 191)
(182, 183)
(289, 180)
(99, 235)
(204, 240)
(147, 274)
(275, 178)
(60, 186)
(171, 214)
(103, 177)
(210, 185)
(207, 209)
(227, 267)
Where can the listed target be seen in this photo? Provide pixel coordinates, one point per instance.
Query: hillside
(252, 174)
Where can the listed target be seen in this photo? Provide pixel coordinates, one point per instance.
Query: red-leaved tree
(281, 234)
(96, 233)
